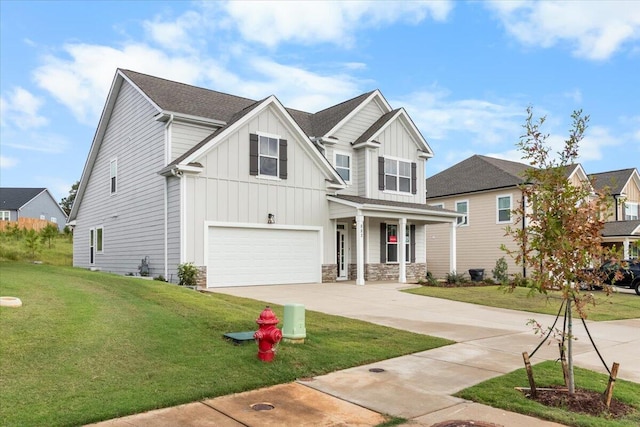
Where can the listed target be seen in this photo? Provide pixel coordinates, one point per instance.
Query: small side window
(113, 175)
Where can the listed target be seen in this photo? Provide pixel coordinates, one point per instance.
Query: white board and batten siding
(137, 142)
(250, 254)
(225, 192)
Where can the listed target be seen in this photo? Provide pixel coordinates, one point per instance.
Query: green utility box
(293, 329)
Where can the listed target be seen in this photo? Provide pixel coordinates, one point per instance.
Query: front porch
(382, 240)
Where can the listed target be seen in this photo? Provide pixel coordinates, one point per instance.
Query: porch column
(452, 245)
(402, 249)
(625, 246)
(359, 249)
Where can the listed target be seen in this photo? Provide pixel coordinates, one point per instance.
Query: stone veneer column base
(201, 277)
(389, 272)
(329, 273)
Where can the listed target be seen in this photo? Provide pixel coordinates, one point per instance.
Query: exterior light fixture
(271, 219)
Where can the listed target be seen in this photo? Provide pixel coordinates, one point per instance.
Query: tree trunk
(571, 386)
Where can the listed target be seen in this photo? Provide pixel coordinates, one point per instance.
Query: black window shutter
(253, 154)
(383, 243)
(283, 159)
(380, 173)
(412, 245)
(414, 178)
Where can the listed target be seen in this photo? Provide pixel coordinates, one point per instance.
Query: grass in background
(13, 248)
(616, 306)
(500, 393)
(88, 346)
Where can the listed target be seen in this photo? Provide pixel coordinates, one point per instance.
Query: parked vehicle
(629, 276)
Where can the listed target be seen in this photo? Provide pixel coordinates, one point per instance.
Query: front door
(341, 251)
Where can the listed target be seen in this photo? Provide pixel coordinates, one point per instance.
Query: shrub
(454, 278)
(160, 278)
(500, 272)
(32, 242)
(188, 274)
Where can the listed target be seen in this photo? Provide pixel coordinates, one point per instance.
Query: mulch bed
(583, 401)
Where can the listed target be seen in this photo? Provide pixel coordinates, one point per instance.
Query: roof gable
(477, 173)
(328, 121)
(615, 181)
(14, 198)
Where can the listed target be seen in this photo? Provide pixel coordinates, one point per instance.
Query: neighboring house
(252, 192)
(623, 226)
(487, 189)
(34, 203)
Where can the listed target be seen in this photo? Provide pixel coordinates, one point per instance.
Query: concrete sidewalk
(418, 387)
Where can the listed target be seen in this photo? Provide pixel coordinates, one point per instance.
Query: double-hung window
(268, 156)
(631, 211)
(113, 175)
(503, 209)
(5, 216)
(463, 208)
(397, 175)
(343, 166)
(393, 241)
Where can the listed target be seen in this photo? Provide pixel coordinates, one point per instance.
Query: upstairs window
(267, 156)
(397, 175)
(113, 175)
(463, 207)
(504, 209)
(631, 211)
(343, 166)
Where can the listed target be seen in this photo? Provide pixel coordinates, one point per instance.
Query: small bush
(500, 272)
(160, 278)
(454, 278)
(188, 274)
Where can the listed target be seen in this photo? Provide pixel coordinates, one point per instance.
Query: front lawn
(613, 307)
(500, 393)
(88, 346)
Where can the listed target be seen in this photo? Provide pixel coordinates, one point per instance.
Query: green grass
(88, 346)
(612, 307)
(14, 249)
(500, 393)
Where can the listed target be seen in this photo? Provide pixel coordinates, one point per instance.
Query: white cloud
(21, 109)
(8, 162)
(311, 22)
(176, 35)
(45, 142)
(595, 29)
(595, 143)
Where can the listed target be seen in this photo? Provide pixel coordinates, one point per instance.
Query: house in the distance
(252, 192)
(30, 207)
(622, 228)
(487, 189)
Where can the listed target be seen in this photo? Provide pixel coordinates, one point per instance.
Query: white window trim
(115, 175)
(5, 215)
(637, 206)
(260, 175)
(498, 197)
(403, 193)
(335, 163)
(407, 244)
(466, 217)
(95, 235)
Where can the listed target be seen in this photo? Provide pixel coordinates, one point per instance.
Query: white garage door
(263, 256)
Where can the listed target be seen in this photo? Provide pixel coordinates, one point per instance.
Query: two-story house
(252, 192)
(622, 228)
(486, 190)
(19, 204)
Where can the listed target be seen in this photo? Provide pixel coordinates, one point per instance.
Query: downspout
(167, 156)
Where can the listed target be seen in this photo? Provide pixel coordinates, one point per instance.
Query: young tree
(48, 233)
(32, 242)
(562, 239)
(67, 202)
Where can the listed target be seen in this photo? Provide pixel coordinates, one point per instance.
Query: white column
(625, 246)
(359, 249)
(402, 249)
(452, 245)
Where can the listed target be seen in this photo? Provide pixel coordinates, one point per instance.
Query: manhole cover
(262, 406)
(465, 423)
(376, 370)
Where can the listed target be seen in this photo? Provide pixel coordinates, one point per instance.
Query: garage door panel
(255, 256)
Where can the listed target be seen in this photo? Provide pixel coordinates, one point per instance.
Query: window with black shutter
(267, 156)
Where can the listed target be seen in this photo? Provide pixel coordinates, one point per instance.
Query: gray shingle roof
(376, 126)
(477, 173)
(196, 101)
(615, 180)
(12, 198)
(621, 228)
(366, 201)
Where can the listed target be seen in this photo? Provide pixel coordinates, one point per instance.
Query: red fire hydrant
(267, 334)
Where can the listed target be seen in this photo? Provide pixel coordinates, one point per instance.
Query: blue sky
(464, 71)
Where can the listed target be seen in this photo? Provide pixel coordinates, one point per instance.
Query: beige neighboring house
(486, 189)
(623, 226)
